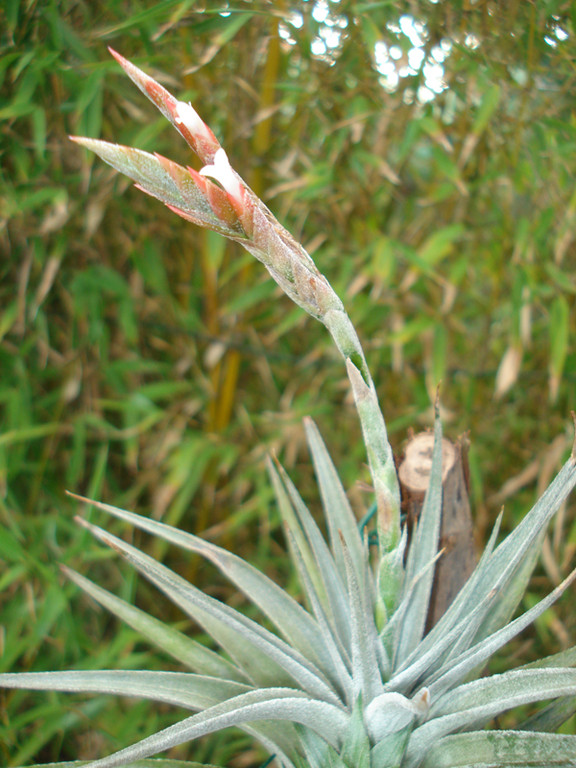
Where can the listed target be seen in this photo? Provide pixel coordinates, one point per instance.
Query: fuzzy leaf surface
(499, 749)
(481, 700)
(322, 571)
(422, 551)
(265, 704)
(151, 177)
(181, 689)
(457, 669)
(264, 644)
(339, 515)
(297, 626)
(181, 647)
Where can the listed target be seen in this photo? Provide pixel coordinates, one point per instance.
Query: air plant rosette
(352, 680)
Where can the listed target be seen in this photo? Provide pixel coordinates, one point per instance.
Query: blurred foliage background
(425, 154)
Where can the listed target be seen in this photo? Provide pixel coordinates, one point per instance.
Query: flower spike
(236, 212)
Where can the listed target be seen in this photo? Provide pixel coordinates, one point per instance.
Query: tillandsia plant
(353, 680)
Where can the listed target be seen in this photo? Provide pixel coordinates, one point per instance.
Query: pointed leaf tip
(359, 387)
(78, 497)
(437, 401)
(99, 534)
(125, 63)
(116, 55)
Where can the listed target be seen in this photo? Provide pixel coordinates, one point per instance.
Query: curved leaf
(498, 749)
(297, 626)
(264, 704)
(260, 644)
(181, 689)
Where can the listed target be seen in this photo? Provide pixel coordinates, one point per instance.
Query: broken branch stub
(457, 531)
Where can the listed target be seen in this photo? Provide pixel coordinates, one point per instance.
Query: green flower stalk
(232, 209)
(351, 679)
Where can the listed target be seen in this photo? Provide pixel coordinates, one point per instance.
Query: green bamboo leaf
(559, 340)
(34, 432)
(39, 132)
(440, 244)
(439, 353)
(488, 105)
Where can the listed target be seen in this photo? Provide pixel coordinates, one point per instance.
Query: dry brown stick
(457, 531)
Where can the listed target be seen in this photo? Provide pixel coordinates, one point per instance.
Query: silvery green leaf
(496, 579)
(366, 677)
(457, 610)
(328, 721)
(475, 703)
(316, 753)
(389, 713)
(499, 749)
(389, 584)
(417, 667)
(507, 690)
(421, 552)
(519, 548)
(460, 667)
(298, 540)
(320, 566)
(279, 738)
(339, 515)
(391, 568)
(260, 645)
(356, 747)
(286, 614)
(181, 689)
(551, 717)
(389, 752)
(185, 650)
(380, 457)
(332, 643)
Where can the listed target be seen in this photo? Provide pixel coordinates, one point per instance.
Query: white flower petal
(189, 118)
(222, 171)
